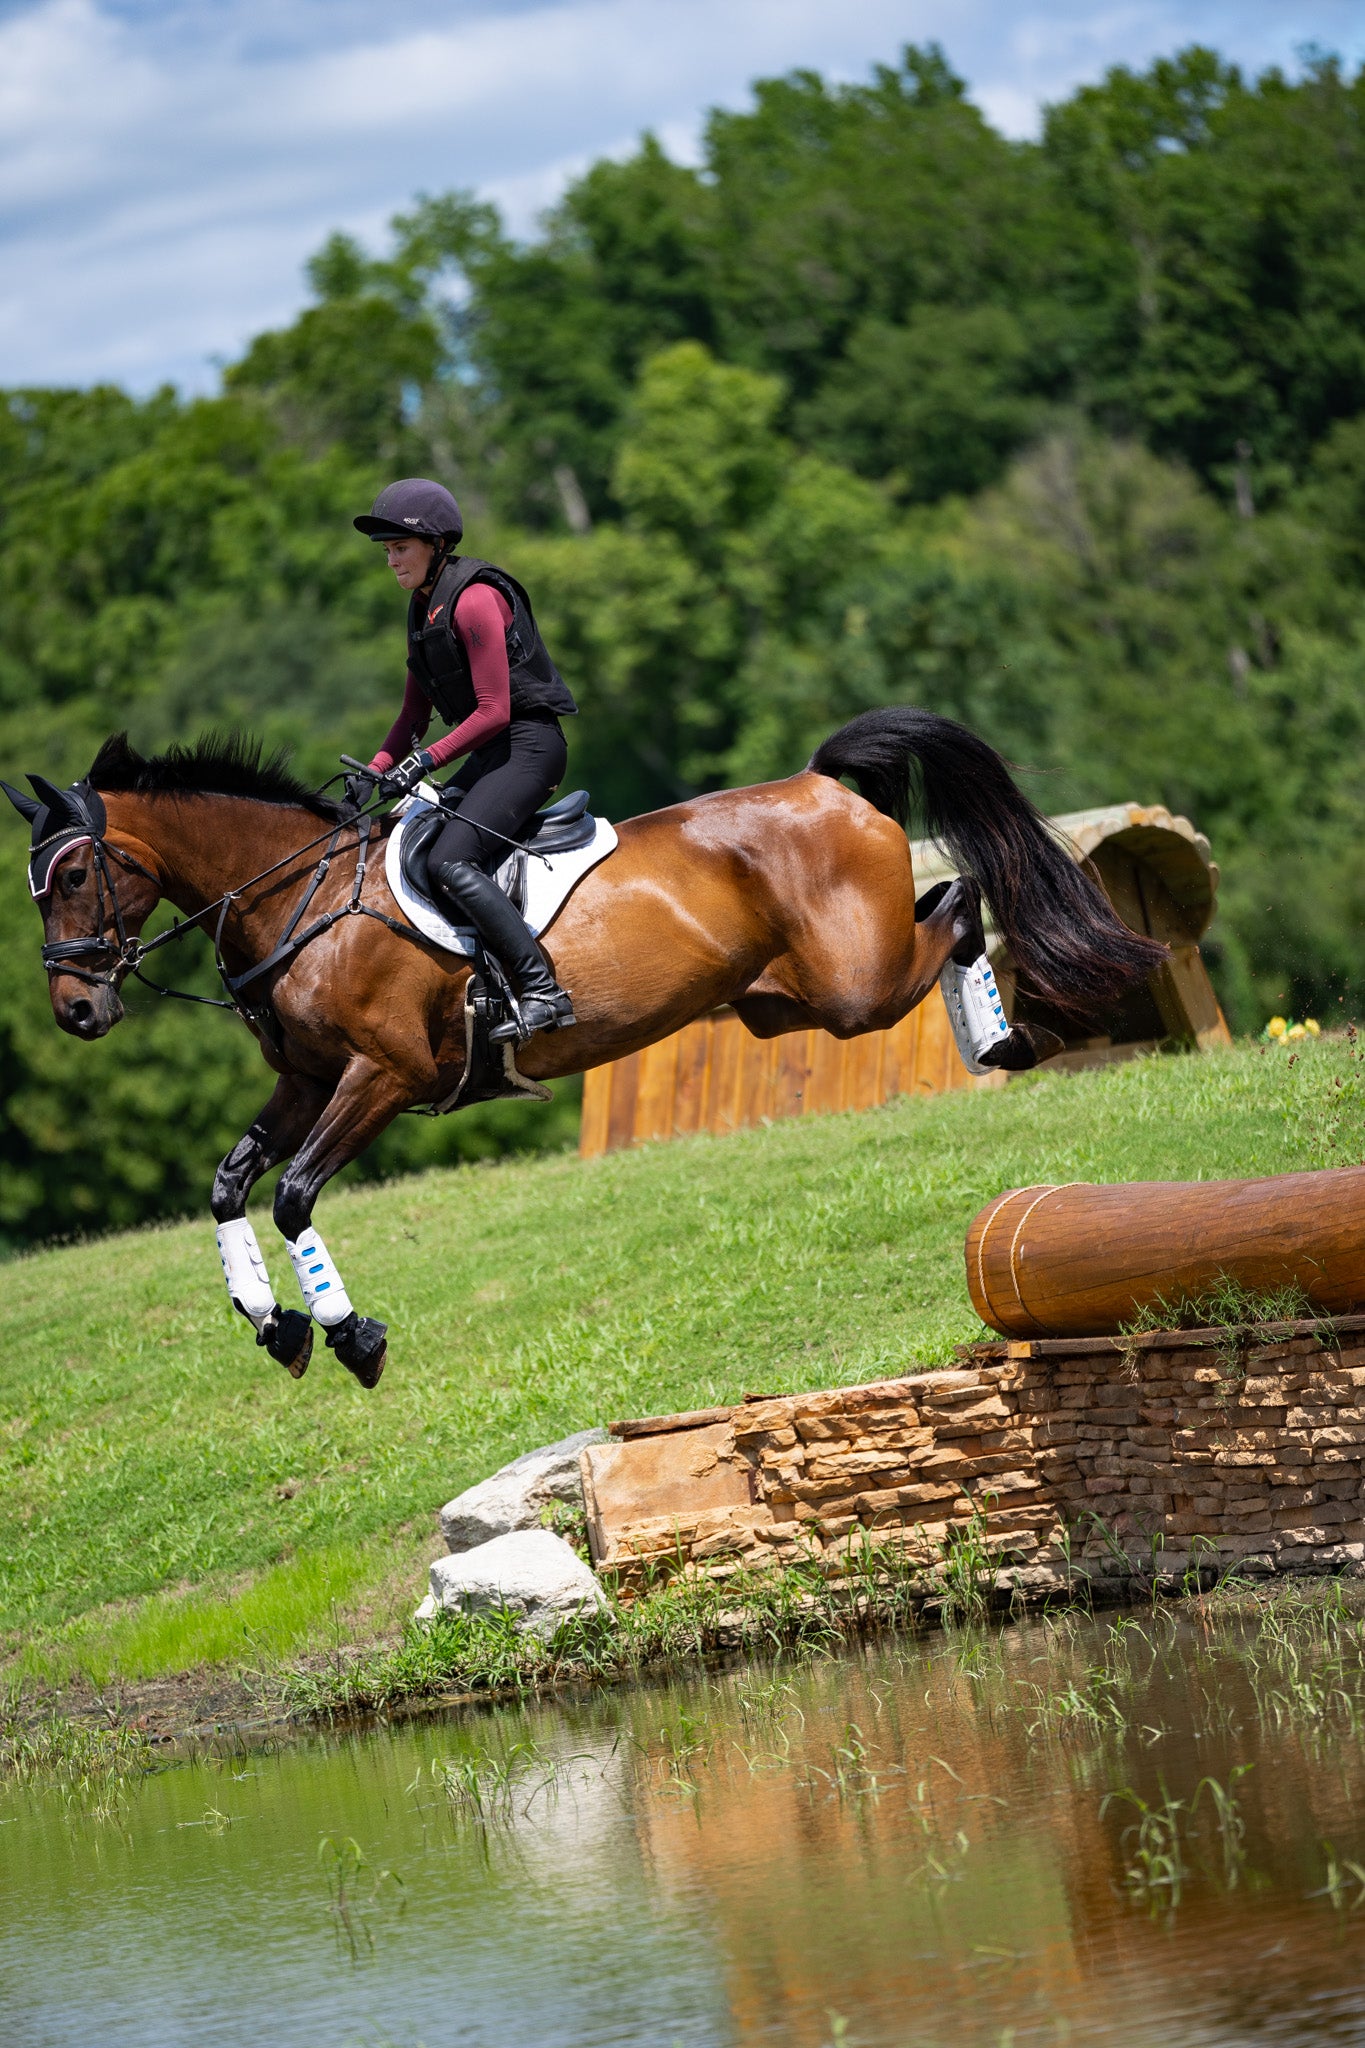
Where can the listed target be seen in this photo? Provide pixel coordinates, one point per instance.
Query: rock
(426, 1609)
(515, 1497)
(532, 1573)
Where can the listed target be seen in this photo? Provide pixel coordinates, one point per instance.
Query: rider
(476, 656)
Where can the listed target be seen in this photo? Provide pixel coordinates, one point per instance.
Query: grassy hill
(169, 1496)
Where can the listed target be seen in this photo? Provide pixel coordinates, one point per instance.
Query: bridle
(104, 960)
(122, 955)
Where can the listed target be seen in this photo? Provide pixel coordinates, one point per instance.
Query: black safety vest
(437, 657)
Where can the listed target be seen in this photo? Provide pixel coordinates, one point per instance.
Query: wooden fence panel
(791, 1064)
(656, 1093)
(624, 1086)
(714, 1076)
(694, 1059)
(726, 1060)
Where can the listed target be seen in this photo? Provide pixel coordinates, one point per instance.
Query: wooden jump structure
(715, 1076)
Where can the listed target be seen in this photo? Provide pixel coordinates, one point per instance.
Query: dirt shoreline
(204, 1708)
(183, 1707)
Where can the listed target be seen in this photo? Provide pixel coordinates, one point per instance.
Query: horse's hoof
(1025, 1046)
(361, 1344)
(288, 1336)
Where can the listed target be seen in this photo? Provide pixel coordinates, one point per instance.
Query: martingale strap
(292, 940)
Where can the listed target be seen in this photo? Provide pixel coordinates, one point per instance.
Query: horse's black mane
(219, 764)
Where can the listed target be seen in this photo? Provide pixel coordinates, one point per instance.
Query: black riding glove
(359, 787)
(404, 778)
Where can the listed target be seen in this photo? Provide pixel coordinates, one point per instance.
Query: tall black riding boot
(477, 900)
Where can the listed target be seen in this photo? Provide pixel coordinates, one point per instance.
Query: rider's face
(409, 561)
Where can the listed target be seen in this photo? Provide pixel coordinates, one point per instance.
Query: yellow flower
(1296, 1031)
(1312, 1027)
(1276, 1028)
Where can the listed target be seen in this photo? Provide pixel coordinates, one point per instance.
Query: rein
(124, 955)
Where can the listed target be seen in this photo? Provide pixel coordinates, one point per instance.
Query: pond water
(930, 1841)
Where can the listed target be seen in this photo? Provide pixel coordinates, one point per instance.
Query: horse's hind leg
(847, 974)
(367, 1099)
(285, 1122)
(838, 982)
(986, 1040)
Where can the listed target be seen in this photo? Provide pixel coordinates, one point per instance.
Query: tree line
(1064, 438)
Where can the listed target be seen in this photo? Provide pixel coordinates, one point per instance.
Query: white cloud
(166, 165)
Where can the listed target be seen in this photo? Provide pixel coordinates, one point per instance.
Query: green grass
(169, 1496)
(254, 1624)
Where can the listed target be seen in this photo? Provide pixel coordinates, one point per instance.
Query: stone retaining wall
(1110, 1457)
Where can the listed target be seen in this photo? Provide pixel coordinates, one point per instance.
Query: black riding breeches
(505, 784)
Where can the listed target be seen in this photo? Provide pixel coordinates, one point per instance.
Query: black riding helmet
(414, 507)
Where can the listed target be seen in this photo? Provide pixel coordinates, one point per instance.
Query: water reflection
(921, 1844)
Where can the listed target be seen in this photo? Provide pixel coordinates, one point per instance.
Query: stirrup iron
(533, 1013)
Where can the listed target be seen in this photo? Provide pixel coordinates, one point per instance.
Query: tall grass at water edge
(1303, 1651)
(169, 1497)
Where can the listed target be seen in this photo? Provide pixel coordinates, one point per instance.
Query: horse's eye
(75, 880)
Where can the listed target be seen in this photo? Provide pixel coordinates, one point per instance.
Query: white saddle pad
(550, 880)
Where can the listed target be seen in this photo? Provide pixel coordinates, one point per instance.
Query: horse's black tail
(1068, 944)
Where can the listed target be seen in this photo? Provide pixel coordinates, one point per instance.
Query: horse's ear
(25, 805)
(58, 801)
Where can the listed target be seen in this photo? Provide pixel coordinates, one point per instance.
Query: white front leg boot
(248, 1283)
(975, 1011)
(323, 1293)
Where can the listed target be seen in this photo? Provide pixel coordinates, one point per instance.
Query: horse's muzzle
(86, 1010)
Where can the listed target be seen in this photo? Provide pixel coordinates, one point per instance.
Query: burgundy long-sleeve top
(482, 616)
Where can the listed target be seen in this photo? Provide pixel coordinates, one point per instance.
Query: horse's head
(94, 896)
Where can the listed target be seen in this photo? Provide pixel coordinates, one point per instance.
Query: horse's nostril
(82, 1012)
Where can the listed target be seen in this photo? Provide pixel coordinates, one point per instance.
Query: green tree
(935, 406)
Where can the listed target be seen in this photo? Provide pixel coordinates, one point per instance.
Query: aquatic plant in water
(1159, 1841)
(1345, 1885)
(343, 1860)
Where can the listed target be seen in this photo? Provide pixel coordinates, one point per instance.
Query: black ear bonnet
(62, 819)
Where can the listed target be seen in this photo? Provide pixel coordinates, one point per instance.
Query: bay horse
(793, 902)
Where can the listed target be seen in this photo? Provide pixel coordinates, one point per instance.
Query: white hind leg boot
(975, 1011)
(248, 1283)
(324, 1295)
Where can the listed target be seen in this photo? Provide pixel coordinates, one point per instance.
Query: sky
(166, 166)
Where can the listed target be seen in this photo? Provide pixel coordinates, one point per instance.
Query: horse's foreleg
(367, 1099)
(285, 1121)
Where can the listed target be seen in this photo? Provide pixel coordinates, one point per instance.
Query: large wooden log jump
(1082, 1260)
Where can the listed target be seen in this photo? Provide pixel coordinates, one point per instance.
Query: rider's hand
(402, 780)
(359, 787)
